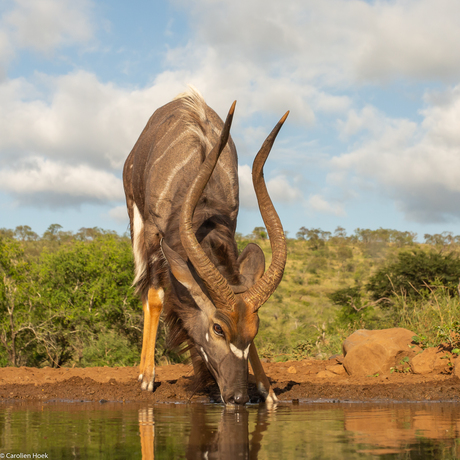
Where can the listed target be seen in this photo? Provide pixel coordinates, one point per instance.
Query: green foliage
(15, 306)
(63, 296)
(441, 240)
(86, 287)
(422, 341)
(66, 298)
(315, 236)
(346, 296)
(109, 349)
(449, 334)
(260, 233)
(303, 349)
(351, 301)
(413, 272)
(433, 317)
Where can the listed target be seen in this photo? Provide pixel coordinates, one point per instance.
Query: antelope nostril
(239, 398)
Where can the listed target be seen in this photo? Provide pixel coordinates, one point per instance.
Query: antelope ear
(182, 273)
(252, 266)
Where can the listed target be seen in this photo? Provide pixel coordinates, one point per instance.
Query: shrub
(413, 272)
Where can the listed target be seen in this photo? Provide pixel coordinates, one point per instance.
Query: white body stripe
(227, 173)
(204, 354)
(246, 352)
(167, 185)
(171, 145)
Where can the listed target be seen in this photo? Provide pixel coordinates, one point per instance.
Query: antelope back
(168, 156)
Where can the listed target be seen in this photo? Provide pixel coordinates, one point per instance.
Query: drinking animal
(181, 187)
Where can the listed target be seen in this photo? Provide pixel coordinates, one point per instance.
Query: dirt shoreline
(293, 381)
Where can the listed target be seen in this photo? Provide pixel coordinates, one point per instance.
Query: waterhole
(194, 431)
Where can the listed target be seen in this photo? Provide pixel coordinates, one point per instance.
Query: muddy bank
(299, 380)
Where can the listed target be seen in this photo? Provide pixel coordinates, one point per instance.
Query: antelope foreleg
(263, 385)
(153, 306)
(145, 306)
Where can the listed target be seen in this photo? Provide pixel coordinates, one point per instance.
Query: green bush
(109, 349)
(412, 274)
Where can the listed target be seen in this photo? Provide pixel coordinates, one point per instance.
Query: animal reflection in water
(230, 441)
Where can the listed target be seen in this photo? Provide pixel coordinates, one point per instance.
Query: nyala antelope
(181, 186)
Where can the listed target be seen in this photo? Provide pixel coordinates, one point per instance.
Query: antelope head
(225, 320)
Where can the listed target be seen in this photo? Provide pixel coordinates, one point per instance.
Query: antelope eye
(218, 329)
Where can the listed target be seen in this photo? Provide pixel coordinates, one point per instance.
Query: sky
(373, 89)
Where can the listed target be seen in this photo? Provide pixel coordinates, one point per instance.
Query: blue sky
(372, 140)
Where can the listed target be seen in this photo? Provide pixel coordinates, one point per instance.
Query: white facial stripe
(246, 352)
(236, 351)
(204, 354)
(207, 337)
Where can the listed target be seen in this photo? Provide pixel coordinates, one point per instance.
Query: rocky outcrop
(370, 352)
(431, 359)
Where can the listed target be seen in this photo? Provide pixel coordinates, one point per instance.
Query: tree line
(66, 298)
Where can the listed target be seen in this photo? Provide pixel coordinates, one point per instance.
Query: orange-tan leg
(153, 306)
(263, 385)
(144, 338)
(147, 432)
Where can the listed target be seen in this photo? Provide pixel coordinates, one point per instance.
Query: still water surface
(173, 431)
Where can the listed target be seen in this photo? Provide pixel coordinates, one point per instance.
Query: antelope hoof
(148, 383)
(268, 395)
(271, 398)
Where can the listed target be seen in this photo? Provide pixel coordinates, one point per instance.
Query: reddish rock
(429, 360)
(370, 352)
(337, 369)
(456, 372)
(325, 375)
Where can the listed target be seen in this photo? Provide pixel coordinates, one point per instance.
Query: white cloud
(85, 121)
(279, 189)
(44, 25)
(327, 42)
(247, 195)
(320, 204)
(61, 184)
(6, 52)
(303, 55)
(282, 191)
(74, 121)
(368, 119)
(414, 38)
(119, 214)
(417, 166)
